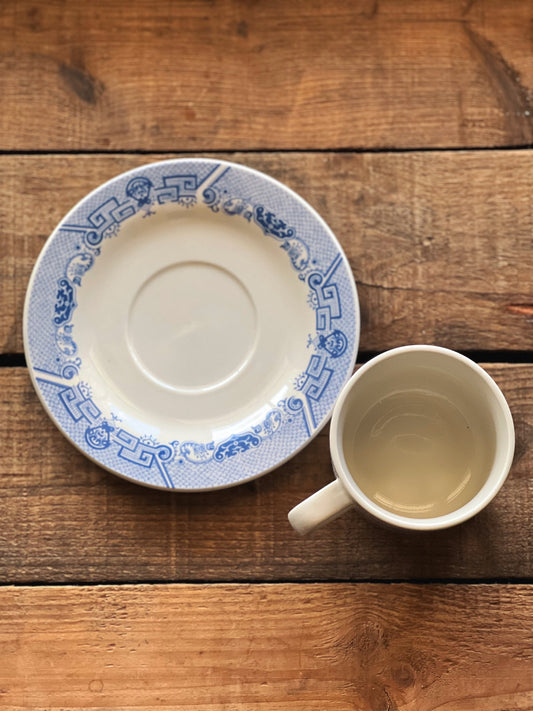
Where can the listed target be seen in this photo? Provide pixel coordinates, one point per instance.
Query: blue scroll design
(271, 224)
(65, 302)
(236, 444)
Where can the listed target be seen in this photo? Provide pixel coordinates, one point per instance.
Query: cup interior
(423, 437)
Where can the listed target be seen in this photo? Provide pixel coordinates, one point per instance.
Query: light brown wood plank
(65, 519)
(439, 243)
(342, 647)
(230, 75)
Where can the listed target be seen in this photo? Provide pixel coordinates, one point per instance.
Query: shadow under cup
(422, 438)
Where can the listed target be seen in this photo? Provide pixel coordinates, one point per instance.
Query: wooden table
(409, 126)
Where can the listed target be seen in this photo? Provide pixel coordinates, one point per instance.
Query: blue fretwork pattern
(99, 434)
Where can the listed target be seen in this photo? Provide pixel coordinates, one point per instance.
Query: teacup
(421, 438)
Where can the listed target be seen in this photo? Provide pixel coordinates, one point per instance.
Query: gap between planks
(271, 151)
(18, 360)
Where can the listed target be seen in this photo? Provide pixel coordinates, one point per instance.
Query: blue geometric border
(235, 192)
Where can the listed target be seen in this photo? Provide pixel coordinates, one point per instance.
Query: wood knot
(96, 686)
(242, 29)
(81, 82)
(369, 637)
(403, 675)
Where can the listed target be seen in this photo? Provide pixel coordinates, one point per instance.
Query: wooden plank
(248, 648)
(231, 75)
(65, 519)
(439, 243)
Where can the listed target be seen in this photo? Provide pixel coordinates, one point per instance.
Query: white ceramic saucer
(190, 323)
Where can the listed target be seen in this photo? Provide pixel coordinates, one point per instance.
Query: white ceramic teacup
(421, 438)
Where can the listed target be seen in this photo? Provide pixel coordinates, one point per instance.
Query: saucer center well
(192, 326)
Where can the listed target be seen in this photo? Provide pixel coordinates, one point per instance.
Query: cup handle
(320, 508)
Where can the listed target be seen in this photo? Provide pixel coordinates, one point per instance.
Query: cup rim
(483, 497)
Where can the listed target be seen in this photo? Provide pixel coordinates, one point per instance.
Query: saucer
(190, 323)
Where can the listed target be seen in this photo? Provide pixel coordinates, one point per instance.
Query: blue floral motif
(238, 206)
(297, 251)
(85, 389)
(300, 380)
(64, 340)
(197, 453)
(77, 267)
(270, 424)
(64, 301)
(236, 444)
(230, 205)
(65, 304)
(111, 231)
(272, 225)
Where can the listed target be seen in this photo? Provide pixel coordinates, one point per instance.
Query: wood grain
(230, 75)
(66, 520)
(241, 647)
(440, 243)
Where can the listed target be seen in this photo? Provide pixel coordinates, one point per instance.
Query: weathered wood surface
(246, 648)
(440, 243)
(66, 520)
(237, 75)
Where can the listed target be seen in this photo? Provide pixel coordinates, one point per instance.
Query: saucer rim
(355, 316)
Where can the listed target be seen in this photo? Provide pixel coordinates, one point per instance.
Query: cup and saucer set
(192, 324)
